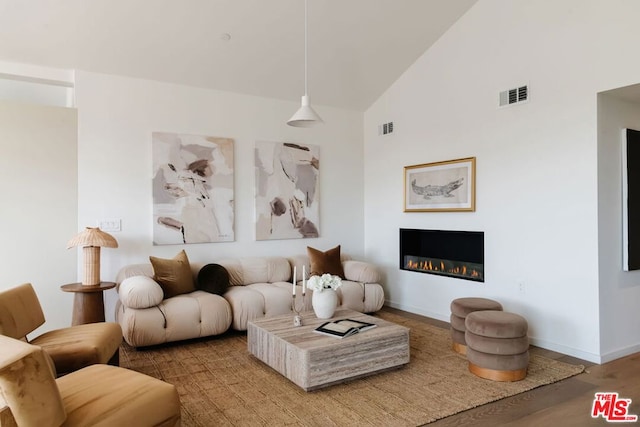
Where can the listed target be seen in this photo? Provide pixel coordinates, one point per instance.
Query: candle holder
(297, 319)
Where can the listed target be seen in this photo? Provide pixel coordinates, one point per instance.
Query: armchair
(98, 395)
(70, 348)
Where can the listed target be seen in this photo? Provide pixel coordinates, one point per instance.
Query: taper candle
(294, 280)
(304, 281)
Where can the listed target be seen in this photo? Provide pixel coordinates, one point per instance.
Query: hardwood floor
(566, 403)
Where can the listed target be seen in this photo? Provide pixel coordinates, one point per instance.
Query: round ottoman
(497, 345)
(460, 308)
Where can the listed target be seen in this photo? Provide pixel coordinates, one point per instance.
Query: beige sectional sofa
(259, 287)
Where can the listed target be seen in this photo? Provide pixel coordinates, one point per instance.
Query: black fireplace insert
(458, 254)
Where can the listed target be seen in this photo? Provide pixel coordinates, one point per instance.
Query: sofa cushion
(213, 278)
(325, 262)
(134, 270)
(358, 271)
(193, 315)
(249, 270)
(140, 292)
(173, 275)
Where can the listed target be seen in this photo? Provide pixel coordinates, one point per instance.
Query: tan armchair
(70, 348)
(98, 395)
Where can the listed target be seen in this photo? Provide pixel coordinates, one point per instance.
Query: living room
(548, 177)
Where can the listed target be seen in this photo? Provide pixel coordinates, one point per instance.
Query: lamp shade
(93, 236)
(305, 116)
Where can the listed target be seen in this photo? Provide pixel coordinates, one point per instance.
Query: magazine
(343, 328)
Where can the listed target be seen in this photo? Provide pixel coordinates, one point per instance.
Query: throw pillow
(213, 278)
(325, 262)
(173, 275)
(140, 292)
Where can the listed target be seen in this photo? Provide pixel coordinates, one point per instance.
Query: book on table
(343, 328)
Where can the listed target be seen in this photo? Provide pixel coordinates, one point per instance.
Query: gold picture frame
(448, 186)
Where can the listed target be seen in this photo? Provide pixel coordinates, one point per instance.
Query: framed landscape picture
(447, 186)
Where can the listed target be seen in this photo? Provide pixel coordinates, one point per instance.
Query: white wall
(537, 192)
(544, 183)
(116, 118)
(619, 290)
(38, 213)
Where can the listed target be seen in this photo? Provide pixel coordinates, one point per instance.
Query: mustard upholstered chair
(70, 348)
(98, 395)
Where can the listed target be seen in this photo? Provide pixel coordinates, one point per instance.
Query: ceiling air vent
(514, 96)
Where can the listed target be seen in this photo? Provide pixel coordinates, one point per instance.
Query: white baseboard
(416, 310)
(613, 355)
(569, 351)
(590, 357)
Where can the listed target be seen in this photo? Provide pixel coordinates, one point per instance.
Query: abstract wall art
(287, 193)
(442, 186)
(192, 189)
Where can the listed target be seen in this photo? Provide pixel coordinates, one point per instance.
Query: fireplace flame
(440, 266)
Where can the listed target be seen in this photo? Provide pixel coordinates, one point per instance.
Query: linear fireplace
(458, 254)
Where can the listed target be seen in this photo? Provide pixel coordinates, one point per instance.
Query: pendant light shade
(305, 117)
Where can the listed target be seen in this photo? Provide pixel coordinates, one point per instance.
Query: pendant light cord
(305, 47)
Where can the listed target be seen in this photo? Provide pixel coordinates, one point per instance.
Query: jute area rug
(221, 384)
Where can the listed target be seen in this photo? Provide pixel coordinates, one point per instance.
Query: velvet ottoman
(497, 345)
(460, 309)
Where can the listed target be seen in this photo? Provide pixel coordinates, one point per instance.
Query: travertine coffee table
(313, 360)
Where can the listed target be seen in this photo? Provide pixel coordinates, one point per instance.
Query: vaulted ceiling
(357, 48)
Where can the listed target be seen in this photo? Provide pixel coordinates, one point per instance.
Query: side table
(88, 302)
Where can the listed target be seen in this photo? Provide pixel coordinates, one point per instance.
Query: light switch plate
(110, 225)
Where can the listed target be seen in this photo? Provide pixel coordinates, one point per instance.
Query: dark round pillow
(213, 278)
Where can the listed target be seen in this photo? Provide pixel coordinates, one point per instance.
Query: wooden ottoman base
(460, 348)
(495, 375)
(458, 341)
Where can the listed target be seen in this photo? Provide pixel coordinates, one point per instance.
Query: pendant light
(305, 117)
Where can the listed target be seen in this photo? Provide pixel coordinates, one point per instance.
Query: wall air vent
(514, 96)
(385, 128)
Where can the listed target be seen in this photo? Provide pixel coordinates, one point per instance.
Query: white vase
(324, 303)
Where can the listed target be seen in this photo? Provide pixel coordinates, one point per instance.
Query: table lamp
(91, 239)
